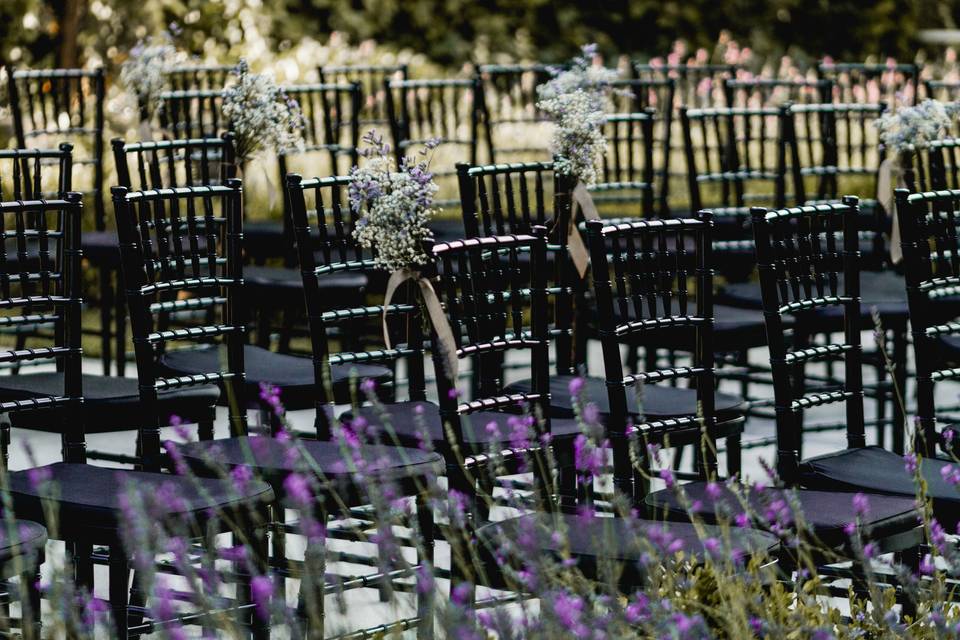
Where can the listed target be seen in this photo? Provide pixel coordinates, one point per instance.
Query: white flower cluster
(396, 206)
(261, 115)
(142, 72)
(910, 128)
(576, 99)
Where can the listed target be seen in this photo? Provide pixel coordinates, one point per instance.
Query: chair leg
(734, 456)
(120, 311)
(119, 584)
(205, 430)
(260, 625)
(425, 599)
(106, 305)
(900, 377)
(460, 541)
(884, 393)
(81, 553)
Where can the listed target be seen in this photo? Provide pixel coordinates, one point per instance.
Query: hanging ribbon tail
(582, 201)
(441, 329)
(271, 193)
(441, 326)
(885, 182)
(145, 131)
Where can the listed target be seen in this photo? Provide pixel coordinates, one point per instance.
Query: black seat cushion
(101, 248)
(293, 375)
(264, 239)
(595, 540)
(109, 403)
(659, 401)
(826, 512)
(880, 471)
(18, 538)
(408, 420)
(273, 461)
(86, 498)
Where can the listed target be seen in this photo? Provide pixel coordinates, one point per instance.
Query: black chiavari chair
(446, 110)
(630, 271)
(627, 168)
(373, 109)
(807, 258)
(81, 503)
(509, 110)
(658, 95)
(774, 92)
(858, 82)
(942, 90)
(698, 85)
(192, 114)
(928, 227)
(52, 106)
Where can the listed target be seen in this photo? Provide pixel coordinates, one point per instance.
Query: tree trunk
(70, 21)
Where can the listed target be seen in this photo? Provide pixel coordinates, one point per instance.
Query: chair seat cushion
(109, 403)
(826, 512)
(595, 540)
(86, 498)
(27, 538)
(877, 470)
(264, 239)
(408, 420)
(659, 401)
(293, 375)
(101, 247)
(274, 460)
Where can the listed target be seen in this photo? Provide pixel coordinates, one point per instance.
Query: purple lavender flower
(261, 590)
(298, 490)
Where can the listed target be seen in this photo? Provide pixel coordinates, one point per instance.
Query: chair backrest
(831, 142)
(40, 284)
(57, 105)
(942, 90)
(698, 85)
(515, 198)
(181, 253)
(652, 277)
(627, 167)
(735, 158)
(331, 124)
(509, 110)
(635, 96)
(773, 92)
(496, 304)
(447, 109)
(858, 82)
(931, 260)
(942, 165)
(174, 163)
(198, 77)
(193, 113)
(26, 174)
(808, 259)
(323, 222)
(373, 110)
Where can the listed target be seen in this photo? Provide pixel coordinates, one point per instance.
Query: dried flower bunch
(142, 72)
(261, 115)
(910, 128)
(395, 204)
(576, 99)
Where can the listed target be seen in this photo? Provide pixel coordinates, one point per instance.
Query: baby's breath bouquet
(903, 132)
(261, 115)
(142, 73)
(396, 205)
(911, 128)
(576, 99)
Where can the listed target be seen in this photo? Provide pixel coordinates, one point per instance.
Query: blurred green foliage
(452, 32)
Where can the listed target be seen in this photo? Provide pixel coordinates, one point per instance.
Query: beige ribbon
(890, 174)
(441, 326)
(575, 245)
